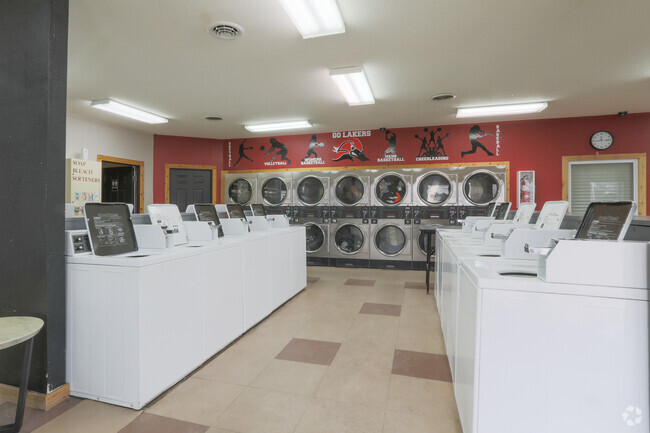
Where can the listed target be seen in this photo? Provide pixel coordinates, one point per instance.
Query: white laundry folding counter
(139, 323)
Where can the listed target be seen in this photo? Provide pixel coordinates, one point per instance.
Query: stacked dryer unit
(311, 209)
(435, 201)
(478, 186)
(349, 218)
(241, 188)
(275, 192)
(391, 229)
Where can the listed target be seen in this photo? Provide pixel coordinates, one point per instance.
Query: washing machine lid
(606, 220)
(390, 240)
(349, 239)
(315, 237)
(434, 189)
(258, 210)
(481, 188)
(349, 190)
(110, 228)
(206, 212)
(240, 191)
(274, 191)
(390, 189)
(235, 211)
(310, 190)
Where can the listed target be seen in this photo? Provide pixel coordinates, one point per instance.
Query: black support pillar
(33, 63)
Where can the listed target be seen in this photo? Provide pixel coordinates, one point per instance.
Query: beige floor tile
(374, 329)
(280, 326)
(264, 411)
(386, 295)
(327, 416)
(91, 416)
(260, 345)
(233, 367)
(343, 305)
(289, 376)
(421, 339)
(367, 386)
(198, 401)
(362, 355)
(333, 327)
(423, 396)
(401, 422)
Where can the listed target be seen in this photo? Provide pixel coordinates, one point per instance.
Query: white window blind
(601, 181)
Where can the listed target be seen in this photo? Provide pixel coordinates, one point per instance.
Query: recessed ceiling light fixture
(278, 126)
(353, 84)
(314, 18)
(127, 111)
(502, 110)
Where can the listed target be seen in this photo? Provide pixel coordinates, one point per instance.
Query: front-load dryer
(350, 237)
(275, 191)
(479, 186)
(350, 188)
(240, 188)
(391, 188)
(311, 188)
(316, 222)
(391, 234)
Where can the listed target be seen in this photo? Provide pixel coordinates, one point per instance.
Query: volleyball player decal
(278, 149)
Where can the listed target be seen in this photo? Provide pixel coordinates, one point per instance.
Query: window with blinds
(611, 180)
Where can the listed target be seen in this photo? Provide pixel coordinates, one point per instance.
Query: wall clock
(601, 140)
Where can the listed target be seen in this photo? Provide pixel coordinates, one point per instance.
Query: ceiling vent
(226, 30)
(214, 118)
(442, 96)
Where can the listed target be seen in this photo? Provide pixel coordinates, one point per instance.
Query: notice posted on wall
(110, 228)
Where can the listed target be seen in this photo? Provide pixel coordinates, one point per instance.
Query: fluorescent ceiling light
(263, 127)
(502, 110)
(126, 111)
(353, 85)
(314, 18)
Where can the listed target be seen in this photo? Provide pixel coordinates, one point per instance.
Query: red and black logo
(349, 149)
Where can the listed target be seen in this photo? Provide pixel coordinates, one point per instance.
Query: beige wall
(101, 139)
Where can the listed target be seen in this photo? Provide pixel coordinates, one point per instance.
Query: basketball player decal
(312, 157)
(348, 150)
(390, 154)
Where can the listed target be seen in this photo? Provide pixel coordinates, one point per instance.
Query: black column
(33, 63)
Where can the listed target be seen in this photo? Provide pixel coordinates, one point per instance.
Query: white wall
(101, 139)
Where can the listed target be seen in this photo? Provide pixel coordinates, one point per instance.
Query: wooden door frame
(641, 167)
(212, 168)
(140, 164)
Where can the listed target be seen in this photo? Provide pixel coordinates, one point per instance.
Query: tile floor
(357, 351)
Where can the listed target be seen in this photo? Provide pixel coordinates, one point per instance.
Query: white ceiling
(585, 57)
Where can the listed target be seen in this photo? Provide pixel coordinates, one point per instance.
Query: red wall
(168, 149)
(528, 145)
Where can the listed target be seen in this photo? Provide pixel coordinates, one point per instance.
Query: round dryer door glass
(315, 237)
(434, 189)
(349, 190)
(481, 188)
(274, 191)
(390, 240)
(310, 190)
(349, 239)
(422, 239)
(240, 191)
(391, 189)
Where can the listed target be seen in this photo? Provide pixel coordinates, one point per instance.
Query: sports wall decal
(278, 149)
(431, 148)
(444, 144)
(475, 132)
(312, 157)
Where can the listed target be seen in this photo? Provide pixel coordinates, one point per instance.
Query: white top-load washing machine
(240, 188)
(558, 345)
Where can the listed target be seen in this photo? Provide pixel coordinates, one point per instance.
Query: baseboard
(36, 400)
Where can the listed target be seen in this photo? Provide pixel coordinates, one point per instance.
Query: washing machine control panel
(356, 212)
(321, 213)
(448, 214)
(404, 213)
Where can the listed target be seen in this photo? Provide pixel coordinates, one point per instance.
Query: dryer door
(240, 191)
(315, 237)
(434, 189)
(422, 240)
(310, 190)
(349, 239)
(390, 240)
(349, 190)
(480, 188)
(274, 191)
(390, 189)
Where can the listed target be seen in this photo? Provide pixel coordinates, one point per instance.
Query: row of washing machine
(361, 218)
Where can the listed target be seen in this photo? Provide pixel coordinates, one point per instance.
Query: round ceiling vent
(442, 96)
(214, 118)
(226, 30)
